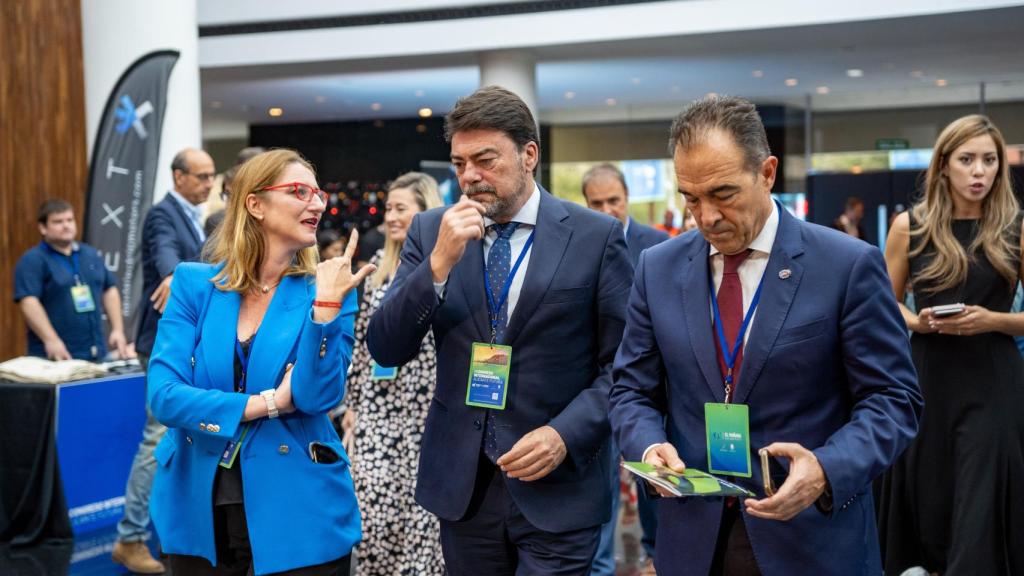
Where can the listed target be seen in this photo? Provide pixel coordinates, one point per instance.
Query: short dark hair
(493, 108)
(734, 116)
(853, 202)
(53, 206)
(606, 169)
(180, 161)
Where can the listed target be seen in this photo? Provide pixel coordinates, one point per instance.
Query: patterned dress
(399, 536)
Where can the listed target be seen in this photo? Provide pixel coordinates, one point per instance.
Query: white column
(116, 33)
(515, 70)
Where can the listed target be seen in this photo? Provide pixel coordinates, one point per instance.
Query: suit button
(476, 424)
(213, 428)
(188, 439)
(202, 426)
(282, 449)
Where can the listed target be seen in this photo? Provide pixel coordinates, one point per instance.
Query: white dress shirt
(194, 213)
(750, 272)
(527, 219)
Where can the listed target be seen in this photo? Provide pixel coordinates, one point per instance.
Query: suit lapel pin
(784, 273)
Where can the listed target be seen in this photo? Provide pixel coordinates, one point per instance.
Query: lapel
(184, 220)
(278, 332)
(693, 281)
(470, 272)
(549, 243)
(776, 298)
(218, 337)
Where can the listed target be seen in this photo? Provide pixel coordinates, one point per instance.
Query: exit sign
(892, 144)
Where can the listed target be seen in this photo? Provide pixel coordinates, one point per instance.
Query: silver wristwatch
(268, 397)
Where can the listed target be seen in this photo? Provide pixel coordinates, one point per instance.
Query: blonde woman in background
(954, 502)
(387, 410)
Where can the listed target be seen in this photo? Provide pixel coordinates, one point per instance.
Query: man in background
(605, 190)
(60, 286)
(849, 220)
(172, 233)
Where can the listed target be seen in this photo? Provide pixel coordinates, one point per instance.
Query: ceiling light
(570, 95)
(275, 112)
(792, 81)
(822, 90)
(855, 73)
(320, 99)
(216, 104)
(426, 112)
(757, 73)
(611, 102)
(941, 82)
(375, 106)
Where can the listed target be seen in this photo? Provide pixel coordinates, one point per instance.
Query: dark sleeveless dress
(954, 502)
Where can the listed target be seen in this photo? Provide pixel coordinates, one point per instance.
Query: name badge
(81, 296)
(378, 372)
(227, 458)
(488, 375)
(728, 434)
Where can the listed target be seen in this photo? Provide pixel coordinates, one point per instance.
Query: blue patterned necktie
(499, 262)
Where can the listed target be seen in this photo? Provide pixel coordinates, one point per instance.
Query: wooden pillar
(42, 134)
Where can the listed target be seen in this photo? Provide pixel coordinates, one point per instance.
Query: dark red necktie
(730, 307)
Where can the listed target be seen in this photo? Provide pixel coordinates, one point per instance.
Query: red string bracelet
(326, 304)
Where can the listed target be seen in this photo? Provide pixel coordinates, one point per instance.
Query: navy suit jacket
(827, 365)
(563, 331)
(168, 238)
(640, 237)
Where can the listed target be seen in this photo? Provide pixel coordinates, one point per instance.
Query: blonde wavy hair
(934, 214)
(424, 190)
(239, 242)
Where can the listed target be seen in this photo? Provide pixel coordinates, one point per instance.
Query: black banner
(123, 172)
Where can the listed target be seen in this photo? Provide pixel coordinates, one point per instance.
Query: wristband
(326, 304)
(268, 397)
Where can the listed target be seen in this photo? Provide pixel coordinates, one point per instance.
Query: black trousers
(234, 553)
(733, 553)
(495, 539)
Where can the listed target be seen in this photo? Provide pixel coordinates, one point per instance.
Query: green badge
(81, 296)
(488, 375)
(728, 433)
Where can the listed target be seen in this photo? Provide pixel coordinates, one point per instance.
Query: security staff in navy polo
(63, 288)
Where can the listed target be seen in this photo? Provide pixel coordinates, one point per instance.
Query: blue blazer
(168, 238)
(640, 237)
(563, 331)
(827, 365)
(300, 513)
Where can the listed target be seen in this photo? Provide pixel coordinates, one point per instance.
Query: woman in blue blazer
(250, 355)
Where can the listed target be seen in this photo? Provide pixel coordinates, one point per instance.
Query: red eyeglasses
(301, 191)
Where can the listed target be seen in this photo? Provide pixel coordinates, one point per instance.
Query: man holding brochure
(526, 297)
(769, 333)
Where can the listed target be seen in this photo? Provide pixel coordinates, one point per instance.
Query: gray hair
(602, 170)
(734, 116)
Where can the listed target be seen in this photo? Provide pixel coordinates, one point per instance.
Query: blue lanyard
(730, 355)
(494, 308)
(243, 359)
(71, 262)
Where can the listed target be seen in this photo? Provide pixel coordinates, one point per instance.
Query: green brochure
(691, 482)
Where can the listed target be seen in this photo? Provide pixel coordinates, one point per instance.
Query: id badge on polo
(728, 434)
(489, 366)
(81, 296)
(378, 372)
(227, 458)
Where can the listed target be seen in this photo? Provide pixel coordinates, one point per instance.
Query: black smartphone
(322, 453)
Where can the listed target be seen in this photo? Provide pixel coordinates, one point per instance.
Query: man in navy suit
(518, 476)
(605, 190)
(171, 233)
(769, 333)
